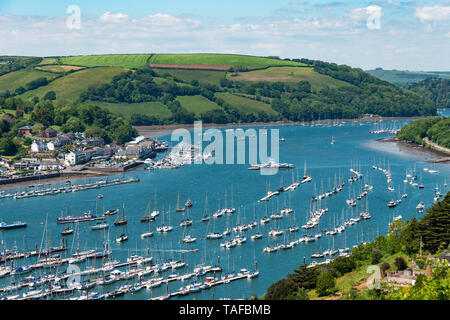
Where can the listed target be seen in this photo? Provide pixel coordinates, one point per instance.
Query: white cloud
(435, 13)
(165, 20)
(114, 18)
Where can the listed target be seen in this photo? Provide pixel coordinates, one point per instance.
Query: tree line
(437, 129)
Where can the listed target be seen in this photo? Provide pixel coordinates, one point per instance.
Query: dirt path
(436, 146)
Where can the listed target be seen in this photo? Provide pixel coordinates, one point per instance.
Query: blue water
(354, 146)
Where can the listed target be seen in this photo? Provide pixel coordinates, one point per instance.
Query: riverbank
(67, 175)
(161, 130)
(439, 156)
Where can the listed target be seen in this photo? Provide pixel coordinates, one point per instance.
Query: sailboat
(147, 234)
(179, 209)
(165, 228)
(206, 217)
(122, 221)
(148, 217)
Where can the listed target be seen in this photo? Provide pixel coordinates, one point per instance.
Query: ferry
(15, 225)
(87, 216)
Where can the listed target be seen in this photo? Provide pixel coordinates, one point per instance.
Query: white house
(75, 157)
(39, 146)
(58, 143)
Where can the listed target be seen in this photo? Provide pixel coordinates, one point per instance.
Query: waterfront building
(74, 158)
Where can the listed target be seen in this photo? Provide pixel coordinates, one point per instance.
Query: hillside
(435, 89)
(436, 129)
(405, 78)
(72, 85)
(111, 60)
(222, 88)
(226, 60)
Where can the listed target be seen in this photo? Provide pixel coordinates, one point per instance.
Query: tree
(384, 267)
(281, 289)
(400, 263)
(7, 147)
(73, 125)
(43, 115)
(51, 95)
(325, 284)
(376, 256)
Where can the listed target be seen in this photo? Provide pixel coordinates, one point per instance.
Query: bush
(400, 263)
(384, 267)
(376, 256)
(325, 284)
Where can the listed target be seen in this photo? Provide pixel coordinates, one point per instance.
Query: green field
(112, 60)
(245, 104)
(403, 78)
(128, 109)
(197, 104)
(71, 86)
(218, 59)
(288, 74)
(13, 80)
(50, 61)
(203, 76)
(62, 68)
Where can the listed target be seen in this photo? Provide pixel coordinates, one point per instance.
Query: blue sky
(403, 35)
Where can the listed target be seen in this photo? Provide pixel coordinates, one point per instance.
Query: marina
(176, 236)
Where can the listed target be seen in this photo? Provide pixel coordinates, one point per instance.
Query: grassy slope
(13, 80)
(288, 74)
(405, 77)
(72, 85)
(218, 59)
(49, 61)
(127, 109)
(245, 104)
(112, 60)
(197, 104)
(58, 68)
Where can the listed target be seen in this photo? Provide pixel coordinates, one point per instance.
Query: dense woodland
(437, 129)
(403, 237)
(435, 89)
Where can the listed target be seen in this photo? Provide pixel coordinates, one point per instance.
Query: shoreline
(439, 156)
(67, 176)
(157, 131)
